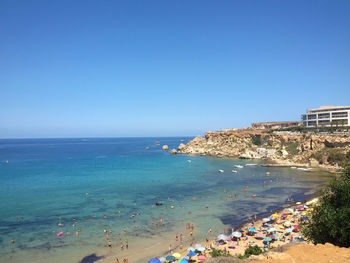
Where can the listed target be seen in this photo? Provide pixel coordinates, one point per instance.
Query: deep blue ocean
(89, 185)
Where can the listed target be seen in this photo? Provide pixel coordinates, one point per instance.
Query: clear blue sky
(143, 68)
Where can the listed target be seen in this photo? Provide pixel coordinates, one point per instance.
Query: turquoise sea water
(111, 183)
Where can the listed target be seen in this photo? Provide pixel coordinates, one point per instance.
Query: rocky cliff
(280, 148)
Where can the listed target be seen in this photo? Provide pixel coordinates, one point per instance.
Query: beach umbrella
(267, 219)
(274, 216)
(289, 230)
(222, 237)
(296, 227)
(191, 249)
(162, 259)
(268, 239)
(287, 223)
(305, 206)
(183, 261)
(237, 234)
(201, 258)
(252, 229)
(275, 236)
(170, 258)
(177, 255)
(304, 218)
(191, 254)
(197, 246)
(298, 203)
(201, 249)
(272, 229)
(154, 260)
(290, 210)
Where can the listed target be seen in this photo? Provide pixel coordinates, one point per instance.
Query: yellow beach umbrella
(177, 255)
(303, 213)
(298, 203)
(274, 216)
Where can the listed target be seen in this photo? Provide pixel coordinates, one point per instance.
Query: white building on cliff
(327, 116)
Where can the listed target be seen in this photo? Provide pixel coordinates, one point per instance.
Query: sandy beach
(280, 228)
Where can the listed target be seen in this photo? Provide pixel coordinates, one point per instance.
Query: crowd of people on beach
(277, 229)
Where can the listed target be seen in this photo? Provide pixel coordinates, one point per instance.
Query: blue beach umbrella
(252, 229)
(182, 261)
(191, 254)
(170, 258)
(154, 260)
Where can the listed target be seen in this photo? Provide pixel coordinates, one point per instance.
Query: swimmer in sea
(110, 243)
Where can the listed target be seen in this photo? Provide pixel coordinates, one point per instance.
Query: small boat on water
(234, 171)
(221, 171)
(238, 166)
(251, 164)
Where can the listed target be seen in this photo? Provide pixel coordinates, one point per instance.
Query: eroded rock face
(293, 148)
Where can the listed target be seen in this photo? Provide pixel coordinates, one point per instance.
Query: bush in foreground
(252, 250)
(219, 253)
(330, 220)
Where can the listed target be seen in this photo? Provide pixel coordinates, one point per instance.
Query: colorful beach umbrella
(274, 216)
(289, 230)
(272, 229)
(222, 237)
(162, 259)
(154, 260)
(191, 254)
(170, 258)
(252, 229)
(201, 249)
(197, 246)
(237, 234)
(183, 261)
(298, 203)
(177, 255)
(268, 239)
(201, 258)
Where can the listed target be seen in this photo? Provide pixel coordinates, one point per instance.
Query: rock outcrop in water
(281, 148)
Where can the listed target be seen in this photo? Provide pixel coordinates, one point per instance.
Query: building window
(311, 117)
(312, 123)
(323, 122)
(339, 114)
(323, 116)
(340, 122)
(303, 117)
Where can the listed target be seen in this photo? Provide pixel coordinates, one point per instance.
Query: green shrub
(292, 148)
(252, 250)
(256, 140)
(330, 220)
(219, 253)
